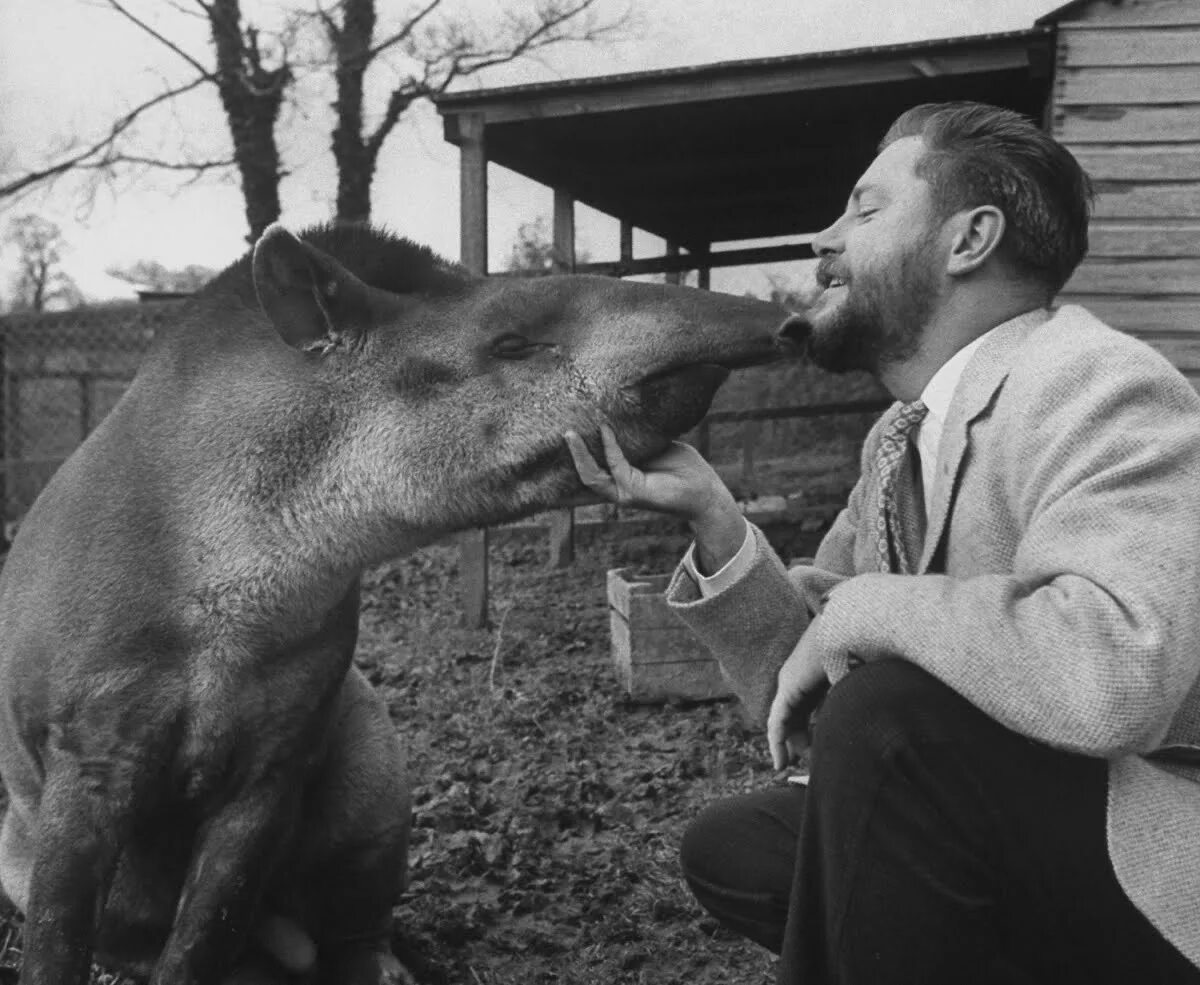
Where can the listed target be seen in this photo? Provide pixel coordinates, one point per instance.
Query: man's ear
(311, 299)
(977, 235)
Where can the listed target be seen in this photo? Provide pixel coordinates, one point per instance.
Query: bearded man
(1005, 773)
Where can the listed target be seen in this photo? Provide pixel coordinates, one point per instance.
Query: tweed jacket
(1058, 589)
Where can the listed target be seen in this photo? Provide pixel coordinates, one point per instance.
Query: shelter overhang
(739, 150)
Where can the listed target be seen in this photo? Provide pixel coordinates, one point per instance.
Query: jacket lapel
(979, 385)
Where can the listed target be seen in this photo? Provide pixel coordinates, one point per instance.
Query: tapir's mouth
(717, 369)
(674, 399)
(713, 374)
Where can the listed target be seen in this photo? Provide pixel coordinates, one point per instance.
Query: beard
(881, 320)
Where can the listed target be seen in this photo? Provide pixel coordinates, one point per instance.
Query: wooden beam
(1137, 13)
(562, 522)
(626, 241)
(674, 272)
(1127, 124)
(1141, 316)
(1160, 200)
(739, 80)
(686, 261)
(1142, 277)
(1079, 46)
(473, 195)
(1136, 239)
(1135, 84)
(1123, 162)
(473, 246)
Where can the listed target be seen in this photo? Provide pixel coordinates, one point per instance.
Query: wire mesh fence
(61, 373)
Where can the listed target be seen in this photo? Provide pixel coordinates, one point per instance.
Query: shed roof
(744, 149)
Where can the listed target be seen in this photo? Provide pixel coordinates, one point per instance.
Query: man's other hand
(802, 684)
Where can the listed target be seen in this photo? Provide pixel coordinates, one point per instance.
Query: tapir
(194, 767)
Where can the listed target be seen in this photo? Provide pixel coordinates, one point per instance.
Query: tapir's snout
(791, 339)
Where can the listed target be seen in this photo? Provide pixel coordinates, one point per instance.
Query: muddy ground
(549, 808)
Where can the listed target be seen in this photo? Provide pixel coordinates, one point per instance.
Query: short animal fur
(194, 765)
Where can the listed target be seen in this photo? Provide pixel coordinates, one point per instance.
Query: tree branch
(406, 31)
(468, 61)
(158, 37)
(462, 59)
(78, 159)
(156, 162)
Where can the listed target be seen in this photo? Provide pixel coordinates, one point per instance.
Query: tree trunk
(252, 96)
(354, 156)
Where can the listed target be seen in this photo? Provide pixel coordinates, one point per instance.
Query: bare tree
(435, 54)
(39, 278)
(255, 71)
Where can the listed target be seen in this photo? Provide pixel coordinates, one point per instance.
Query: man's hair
(977, 154)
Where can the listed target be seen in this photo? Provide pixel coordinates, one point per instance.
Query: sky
(68, 67)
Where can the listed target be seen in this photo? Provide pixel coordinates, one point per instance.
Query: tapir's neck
(292, 531)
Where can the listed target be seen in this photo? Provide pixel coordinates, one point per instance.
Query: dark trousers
(932, 846)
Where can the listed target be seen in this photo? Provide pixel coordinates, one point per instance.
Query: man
(1005, 773)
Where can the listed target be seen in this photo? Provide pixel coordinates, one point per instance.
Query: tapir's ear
(311, 299)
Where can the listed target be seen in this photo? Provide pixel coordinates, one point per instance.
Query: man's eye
(866, 213)
(514, 347)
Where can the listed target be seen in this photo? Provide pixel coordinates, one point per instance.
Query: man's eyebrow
(861, 190)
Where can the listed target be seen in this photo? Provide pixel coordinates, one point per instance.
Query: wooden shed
(714, 154)
(1126, 101)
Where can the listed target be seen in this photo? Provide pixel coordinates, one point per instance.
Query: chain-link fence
(62, 372)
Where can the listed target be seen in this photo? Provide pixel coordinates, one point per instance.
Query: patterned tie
(889, 539)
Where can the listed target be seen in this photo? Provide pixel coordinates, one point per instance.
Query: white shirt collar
(939, 391)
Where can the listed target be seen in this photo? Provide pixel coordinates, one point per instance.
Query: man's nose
(829, 240)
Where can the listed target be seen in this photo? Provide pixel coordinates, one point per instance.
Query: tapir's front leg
(76, 855)
(235, 854)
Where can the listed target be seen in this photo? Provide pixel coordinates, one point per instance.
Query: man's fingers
(777, 732)
(591, 473)
(618, 464)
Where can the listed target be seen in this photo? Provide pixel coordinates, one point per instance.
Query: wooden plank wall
(1126, 102)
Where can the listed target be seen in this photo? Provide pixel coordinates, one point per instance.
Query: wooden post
(704, 272)
(4, 423)
(673, 276)
(87, 387)
(750, 433)
(562, 522)
(626, 242)
(473, 249)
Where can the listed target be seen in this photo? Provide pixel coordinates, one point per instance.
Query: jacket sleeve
(752, 625)
(1092, 639)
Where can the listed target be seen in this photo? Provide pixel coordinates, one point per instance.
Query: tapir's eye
(512, 346)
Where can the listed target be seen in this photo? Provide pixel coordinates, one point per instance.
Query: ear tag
(321, 295)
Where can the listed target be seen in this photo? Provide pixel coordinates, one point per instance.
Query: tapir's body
(188, 752)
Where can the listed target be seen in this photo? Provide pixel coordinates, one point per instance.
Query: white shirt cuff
(733, 570)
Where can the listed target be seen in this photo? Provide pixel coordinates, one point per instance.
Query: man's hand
(802, 683)
(678, 482)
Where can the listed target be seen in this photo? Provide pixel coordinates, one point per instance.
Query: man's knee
(708, 843)
(738, 856)
(886, 705)
(745, 843)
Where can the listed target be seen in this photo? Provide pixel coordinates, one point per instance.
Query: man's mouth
(827, 279)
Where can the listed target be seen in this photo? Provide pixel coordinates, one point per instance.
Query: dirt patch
(549, 809)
